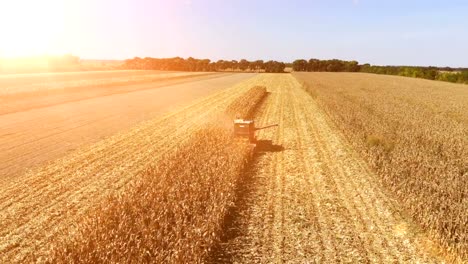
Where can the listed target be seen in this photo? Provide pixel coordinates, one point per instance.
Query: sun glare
(30, 27)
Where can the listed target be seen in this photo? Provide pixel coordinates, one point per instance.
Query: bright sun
(30, 27)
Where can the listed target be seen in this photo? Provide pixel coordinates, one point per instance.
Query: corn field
(360, 169)
(414, 133)
(174, 211)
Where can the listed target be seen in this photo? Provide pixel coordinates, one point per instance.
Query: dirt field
(31, 137)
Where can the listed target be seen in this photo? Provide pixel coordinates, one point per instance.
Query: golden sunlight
(31, 28)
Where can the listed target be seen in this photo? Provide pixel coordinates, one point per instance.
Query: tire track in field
(321, 204)
(46, 202)
(268, 218)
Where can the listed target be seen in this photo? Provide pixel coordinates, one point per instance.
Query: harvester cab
(246, 129)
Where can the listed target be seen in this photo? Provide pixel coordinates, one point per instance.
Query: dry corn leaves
(414, 133)
(309, 198)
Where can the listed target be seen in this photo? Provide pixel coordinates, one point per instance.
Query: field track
(31, 137)
(309, 198)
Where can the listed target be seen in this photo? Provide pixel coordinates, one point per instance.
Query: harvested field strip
(34, 208)
(413, 133)
(312, 199)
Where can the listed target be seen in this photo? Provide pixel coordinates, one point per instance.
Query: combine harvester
(246, 129)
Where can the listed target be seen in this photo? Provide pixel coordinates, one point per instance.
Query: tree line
(430, 73)
(192, 64)
(315, 65)
(455, 75)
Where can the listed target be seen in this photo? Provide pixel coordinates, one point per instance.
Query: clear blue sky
(380, 32)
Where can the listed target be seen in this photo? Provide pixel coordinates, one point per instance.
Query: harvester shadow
(234, 227)
(263, 146)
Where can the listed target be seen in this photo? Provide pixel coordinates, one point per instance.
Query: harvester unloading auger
(246, 129)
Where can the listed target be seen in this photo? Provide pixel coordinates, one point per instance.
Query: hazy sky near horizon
(384, 32)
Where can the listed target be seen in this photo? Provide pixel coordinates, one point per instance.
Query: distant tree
(243, 64)
(134, 63)
(313, 65)
(191, 64)
(252, 66)
(260, 65)
(203, 65)
(220, 65)
(212, 66)
(430, 73)
(234, 65)
(463, 78)
(227, 65)
(274, 66)
(352, 66)
(300, 65)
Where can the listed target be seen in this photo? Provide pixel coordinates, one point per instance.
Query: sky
(396, 32)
